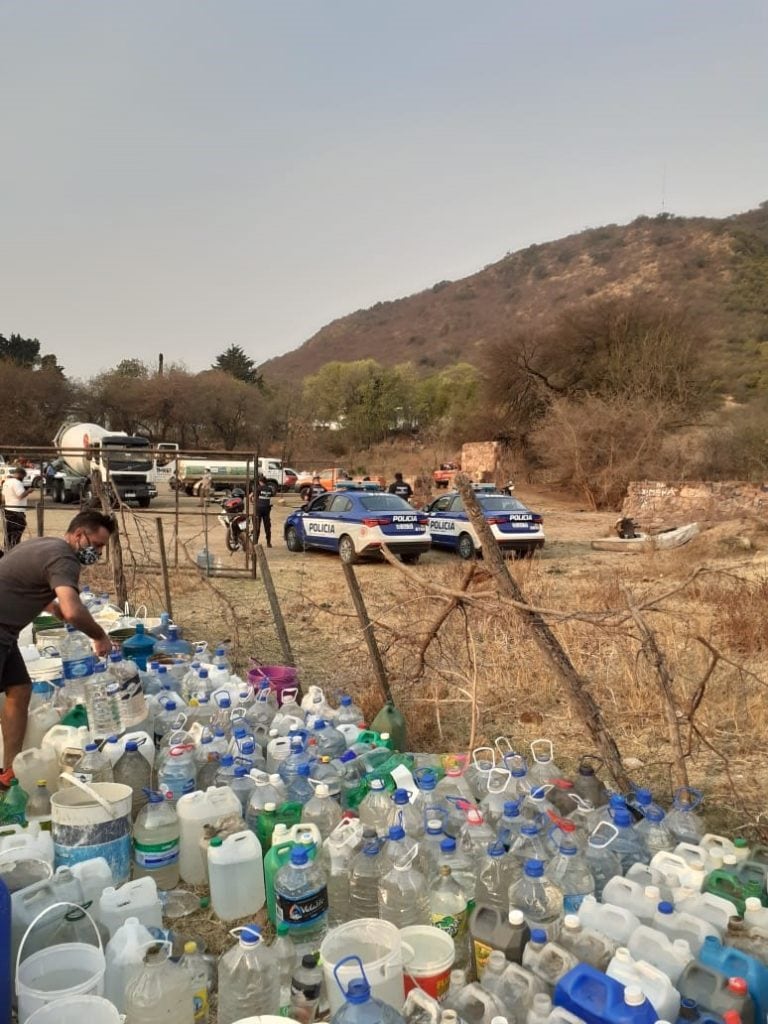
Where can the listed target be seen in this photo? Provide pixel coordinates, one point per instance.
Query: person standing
(401, 488)
(43, 574)
(206, 483)
(15, 506)
(263, 513)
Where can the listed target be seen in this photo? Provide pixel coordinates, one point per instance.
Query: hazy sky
(178, 175)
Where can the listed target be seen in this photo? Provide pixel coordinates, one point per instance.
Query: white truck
(227, 473)
(124, 460)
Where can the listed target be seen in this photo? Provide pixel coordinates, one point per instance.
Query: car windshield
(130, 458)
(385, 503)
(500, 503)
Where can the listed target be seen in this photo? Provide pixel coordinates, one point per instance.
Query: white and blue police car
(357, 524)
(514, 526)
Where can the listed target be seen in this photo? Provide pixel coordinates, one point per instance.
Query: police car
(357, 524)
(513, 525)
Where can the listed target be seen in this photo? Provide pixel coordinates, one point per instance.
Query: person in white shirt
(15, 506)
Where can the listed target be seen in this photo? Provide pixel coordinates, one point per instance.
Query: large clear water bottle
(134, 770)
(249, 982)
(463, 868)
(404, 896)
(403, 812)
(102, 703)
(156, 835)
(328, 739)
(285, 953)
(654, 832)
(374, 807)
(322, 810)
(360, 1006)
(77, 658)
(629, 842)
(133, 706)
(540, 900)
(365, 873)
(336, 857)
(301, 893)
(496, 872)
(160, 991)
(569, 870)
(177, 773)
(349, 713)
(288, 768)
(93, 766)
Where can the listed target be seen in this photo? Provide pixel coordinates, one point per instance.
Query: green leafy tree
(237, 364)
(21, 351)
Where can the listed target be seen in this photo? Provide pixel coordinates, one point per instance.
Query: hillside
(715, 268)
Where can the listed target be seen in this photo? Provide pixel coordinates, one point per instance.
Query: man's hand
(103, 646)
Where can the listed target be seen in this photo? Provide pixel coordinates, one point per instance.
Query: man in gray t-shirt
(43, 575)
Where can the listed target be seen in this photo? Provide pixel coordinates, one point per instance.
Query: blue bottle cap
(131, 746)
(241, 771)
(496, 849)
(616, 800)
(643, 796)
(203, 673)
(371, 849)
(299, 855)
(225, 701)
(434, 827)
(622, 818)
(396, 832)
(251, 933)
(347, 756)
(511, 809)
(538, 935)
(665, 907)
(358, 991)
(448, 845)
(91, 746)
(530, 829)
(428, 781)
(345, 701)
(534, 868)
(220, 650)
(400, 797)
(320, 723)
(226, 760)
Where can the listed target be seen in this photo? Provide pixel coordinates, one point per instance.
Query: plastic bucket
(430, 955)
(279, 677)
(378, 945)
(20, 874)
(66, 969)
(93, 821)
(75, 1010)
(46, 670)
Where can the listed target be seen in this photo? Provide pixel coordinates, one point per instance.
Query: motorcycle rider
(263, 510)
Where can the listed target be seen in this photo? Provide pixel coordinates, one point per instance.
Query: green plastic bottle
(390, 720)
(14, 806)
(726, 883)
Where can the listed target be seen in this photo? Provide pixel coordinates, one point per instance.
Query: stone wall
(655, 505)
(480, 461)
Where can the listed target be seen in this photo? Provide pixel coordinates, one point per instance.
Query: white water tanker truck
(125, 461)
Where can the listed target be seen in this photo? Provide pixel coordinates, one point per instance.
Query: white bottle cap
(322, 790)
(623, 954)
(682, 946)
(434, 823)
(571, 922)
(494, 1020)
(516, 917)
(633, 995)
(653, 892)
(753, 903)
(270, 807)
(729, 859)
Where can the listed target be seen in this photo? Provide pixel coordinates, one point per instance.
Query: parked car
(357, 524)
(515, 527)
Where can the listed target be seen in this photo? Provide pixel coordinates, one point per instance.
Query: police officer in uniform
(263, 513)
(401, 488)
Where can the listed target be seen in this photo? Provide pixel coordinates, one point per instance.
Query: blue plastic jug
(598, 999)
(139, 647)
(734, 963)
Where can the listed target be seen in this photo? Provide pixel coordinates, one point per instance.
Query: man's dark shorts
(13, 671)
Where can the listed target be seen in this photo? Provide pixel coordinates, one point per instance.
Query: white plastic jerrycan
(195, 811)
(60, 737)
(716, 910)
(137, 899)
(124, 955)
(652, 982)
(696, 857)
(679, 925)
(236, 876)
(94, 875)
(617, 923)
(34, 764)
(30, 843)
(642, 901)
(674, 871)
(671, 956)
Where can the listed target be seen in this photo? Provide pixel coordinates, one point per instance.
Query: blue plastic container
(598, 999)
(174, 645)
(139, 647)
(734, 963)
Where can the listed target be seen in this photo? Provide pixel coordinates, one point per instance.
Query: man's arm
(73, 611)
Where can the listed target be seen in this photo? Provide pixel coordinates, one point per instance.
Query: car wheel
(347, 552)
(466, 547)
(292, 540)
(409, 559)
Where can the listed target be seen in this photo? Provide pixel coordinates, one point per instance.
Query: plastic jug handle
(502, 773)
(480, 750)
(345, 960)
(549, 747)
(504, 745)
(603, 835)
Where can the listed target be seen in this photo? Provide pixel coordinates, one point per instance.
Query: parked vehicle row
(357, 523)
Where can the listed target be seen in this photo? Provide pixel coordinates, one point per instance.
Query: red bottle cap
(731, 1016)
(738, 986)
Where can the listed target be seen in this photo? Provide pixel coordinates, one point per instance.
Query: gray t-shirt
(29, 574)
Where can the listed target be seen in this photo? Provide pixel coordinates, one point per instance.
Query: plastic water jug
(160, 992)
(61, 737)
(248, 978)
(713, 909)
(137, 899)
(654, 983)
(6, 970)
(716, 992)
(598, 999)
(671, 956)
(698, 857)
(679, 925)
(236, 876)
(547, 960)
(733, 962)
(30, 843)
(139, 647)
(124, 955)
(115, 750)
(279, 854)
(642, 901)
(676, 872)
(26, 904)
(42, 717)
(195, 811)
(617, 923)
(491, 928)
(588, 946)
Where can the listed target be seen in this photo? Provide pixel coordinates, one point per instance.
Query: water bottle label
(200, 1005)
(304, 909)
(79, 668)
(482, 953)
(156, 856)
(571, 904)
(171, 791)
(130, 686)
(454, 924)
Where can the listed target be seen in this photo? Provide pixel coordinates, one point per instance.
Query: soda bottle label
(200, 1004)
(482, 954)
(454, 924)
(156, 856)
(304, 909)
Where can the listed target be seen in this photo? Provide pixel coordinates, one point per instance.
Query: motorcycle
(234, 519)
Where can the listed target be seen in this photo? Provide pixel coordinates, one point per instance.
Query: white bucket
(378, 945)
(45, 670)
(93, 821)
(67, 969)
(75, 1010)
(430, 955)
